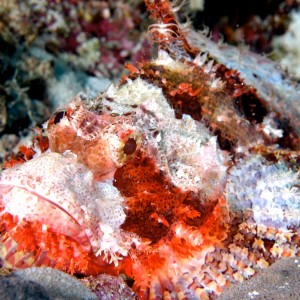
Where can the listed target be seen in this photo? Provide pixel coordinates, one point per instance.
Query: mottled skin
(88, 136)
(176, 236)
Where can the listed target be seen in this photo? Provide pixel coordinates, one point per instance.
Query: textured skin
(184, 177)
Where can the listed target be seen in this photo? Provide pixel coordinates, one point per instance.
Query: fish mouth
(41, 209)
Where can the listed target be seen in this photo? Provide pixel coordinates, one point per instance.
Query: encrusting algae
(184, 177)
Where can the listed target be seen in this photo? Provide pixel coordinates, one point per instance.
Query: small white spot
(253, 294)
(158, 137)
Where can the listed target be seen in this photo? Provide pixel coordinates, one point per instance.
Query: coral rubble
(185, 177)
(51, 50)
(84, 33)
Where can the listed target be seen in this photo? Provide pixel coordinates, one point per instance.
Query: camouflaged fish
(185, 177)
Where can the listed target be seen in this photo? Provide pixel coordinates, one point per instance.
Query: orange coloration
(42, 246)
(149, 196)
(170, 255)
(132, 69)
(174, 243)
(185, 88)
(167, 30)
(160, 219)
(58, 115)
(27, 152)
(174, 225)
(160, 10)
(12, 162)
(69, 113)
(42, 142)
(88, 136)
(232, 113)
(186, 212)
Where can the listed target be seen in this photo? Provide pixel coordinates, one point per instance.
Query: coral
(108, 287)
(286, 46)
(85, 34)
(51, 50)
(185, 177)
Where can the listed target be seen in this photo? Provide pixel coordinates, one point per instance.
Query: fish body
(185, 177)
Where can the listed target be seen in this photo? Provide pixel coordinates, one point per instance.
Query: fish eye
(130, 146)
(58, 116)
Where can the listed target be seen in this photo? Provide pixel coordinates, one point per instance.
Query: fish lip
(39, 196)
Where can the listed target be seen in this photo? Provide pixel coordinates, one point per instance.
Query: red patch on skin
(154, 204)
(44, 246)
(27, 152)
(12, 162)
(185, 88)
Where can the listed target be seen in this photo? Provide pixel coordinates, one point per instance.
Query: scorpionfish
(185, 177)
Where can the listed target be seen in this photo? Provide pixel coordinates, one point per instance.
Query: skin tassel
(175, 177)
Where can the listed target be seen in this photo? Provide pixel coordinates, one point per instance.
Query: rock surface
(279, 282)
(53, 283)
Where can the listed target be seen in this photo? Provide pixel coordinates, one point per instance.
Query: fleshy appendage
(101, 142)
(52, 208)
(179, 231)
(269, 192)
(183, 149)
